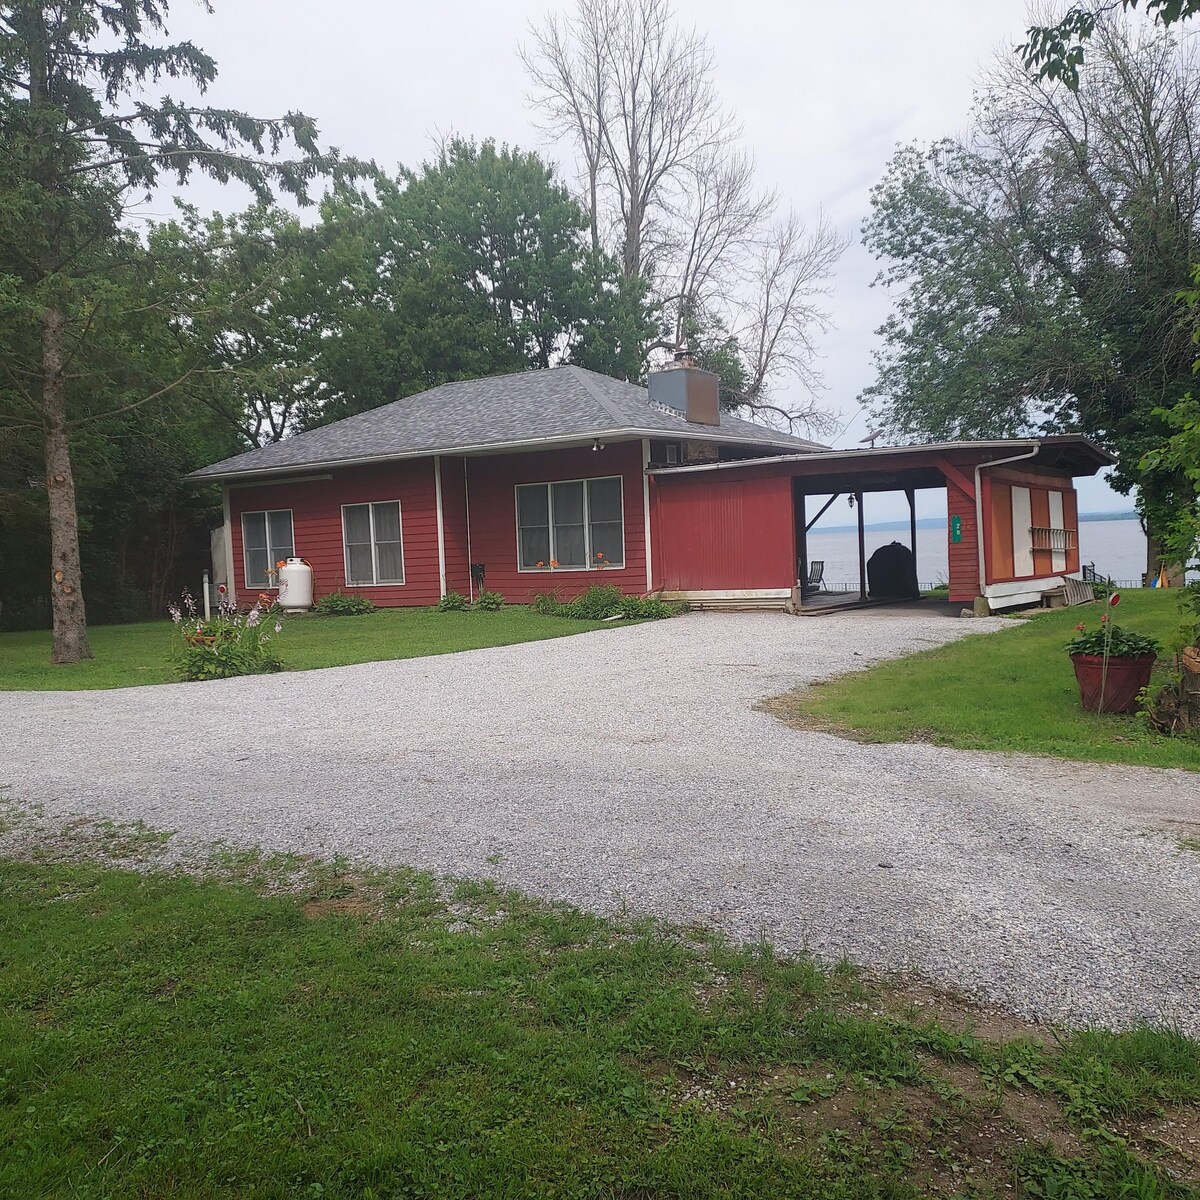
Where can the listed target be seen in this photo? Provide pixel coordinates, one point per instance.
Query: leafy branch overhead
(1056, 52)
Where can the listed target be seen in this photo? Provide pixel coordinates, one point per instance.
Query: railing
(1046, 538)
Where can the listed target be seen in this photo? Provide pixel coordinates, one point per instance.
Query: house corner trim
(646, 513)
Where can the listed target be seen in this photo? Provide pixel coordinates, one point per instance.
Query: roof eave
(628, 433)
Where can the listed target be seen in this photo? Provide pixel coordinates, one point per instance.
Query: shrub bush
(604, 600)
(338, 604)
(452, 602)
(489, 601)
(227, 644)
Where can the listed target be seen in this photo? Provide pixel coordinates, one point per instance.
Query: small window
(672, 453)
(578, 525)
(266, 539)
(374, 548)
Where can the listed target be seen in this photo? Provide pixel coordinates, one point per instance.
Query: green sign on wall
(956, 529)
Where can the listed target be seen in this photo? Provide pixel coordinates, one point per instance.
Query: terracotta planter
(1122, 682)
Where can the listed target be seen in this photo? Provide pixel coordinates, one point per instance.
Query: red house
(562, 478)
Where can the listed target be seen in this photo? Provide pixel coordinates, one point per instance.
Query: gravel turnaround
(628, 768)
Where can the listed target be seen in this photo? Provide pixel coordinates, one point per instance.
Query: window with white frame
(266, 539)
(374, 548)
(577, 525)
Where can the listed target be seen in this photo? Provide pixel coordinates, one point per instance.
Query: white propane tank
(295, 586)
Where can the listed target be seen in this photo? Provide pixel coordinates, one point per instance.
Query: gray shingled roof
(482, 414)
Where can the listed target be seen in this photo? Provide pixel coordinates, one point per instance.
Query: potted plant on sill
(1112, 665)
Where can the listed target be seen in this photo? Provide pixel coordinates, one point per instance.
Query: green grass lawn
(374, 1036)
(135, 654)
(1012, 690)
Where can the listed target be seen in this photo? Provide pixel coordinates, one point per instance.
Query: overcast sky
(825, 92)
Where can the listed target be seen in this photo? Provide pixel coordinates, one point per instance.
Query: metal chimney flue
(686, 389)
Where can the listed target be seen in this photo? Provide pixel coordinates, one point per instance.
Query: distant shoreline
(940, 523)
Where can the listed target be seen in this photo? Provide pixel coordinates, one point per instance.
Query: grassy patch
(1013, 690)
(369, 1035)
(134, 654)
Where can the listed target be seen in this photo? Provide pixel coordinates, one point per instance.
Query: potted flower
(1112, 665)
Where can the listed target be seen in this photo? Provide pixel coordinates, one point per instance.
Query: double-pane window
(577, 525)
(266, 540)
(374, 548)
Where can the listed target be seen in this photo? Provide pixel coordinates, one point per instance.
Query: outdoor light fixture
(850, 500)
(597, 444)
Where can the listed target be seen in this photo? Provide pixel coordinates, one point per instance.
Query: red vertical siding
(717, 534)
(964, 555)
(491, 485)
(317, 526)
(454, 521)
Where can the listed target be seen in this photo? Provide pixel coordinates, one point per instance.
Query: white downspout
(441, 523)
(998, 462)
(646, 513)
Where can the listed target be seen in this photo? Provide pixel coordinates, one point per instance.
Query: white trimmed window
(578, 524)
(374, 547)
(266, 539)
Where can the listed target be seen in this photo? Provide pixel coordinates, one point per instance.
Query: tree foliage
(78, 133)
(1057, 51)
(1038, 262)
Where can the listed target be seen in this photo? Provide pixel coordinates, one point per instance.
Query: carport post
(912, 523)
(862, 549)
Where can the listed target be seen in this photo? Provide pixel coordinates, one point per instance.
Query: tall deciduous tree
(475, 264)
(668, 189)
(1038, 262)
(77, 135)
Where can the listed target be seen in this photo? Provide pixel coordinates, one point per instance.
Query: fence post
(207, 609)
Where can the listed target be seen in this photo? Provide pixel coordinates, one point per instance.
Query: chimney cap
(683, 357)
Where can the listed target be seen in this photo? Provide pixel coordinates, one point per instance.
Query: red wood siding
(964, 555)
(717, 534)
(492, 481)
(454, 522)
(317, 526)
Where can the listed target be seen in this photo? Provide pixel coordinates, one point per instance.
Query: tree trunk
(66, 585)
(1156, 555)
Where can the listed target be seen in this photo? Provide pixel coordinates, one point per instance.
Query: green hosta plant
(1109, 638)
(452, 602)
(489, 601)
(339, 604)
(228, 643)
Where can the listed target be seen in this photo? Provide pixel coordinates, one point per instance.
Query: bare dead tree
(568, 65)
(676, 198)
(784, 314)
(635, 93)
(717, 225)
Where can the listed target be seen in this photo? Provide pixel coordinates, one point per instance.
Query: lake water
(1118, 548)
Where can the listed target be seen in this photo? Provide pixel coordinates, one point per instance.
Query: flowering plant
(228, 642)
(1110, 640)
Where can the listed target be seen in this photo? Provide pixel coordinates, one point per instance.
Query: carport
(735, 533)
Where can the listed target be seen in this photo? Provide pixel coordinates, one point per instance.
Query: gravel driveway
(628, 767)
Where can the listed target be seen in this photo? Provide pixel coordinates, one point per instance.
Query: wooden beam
(912, 522)
(824, 510)
(950, 471)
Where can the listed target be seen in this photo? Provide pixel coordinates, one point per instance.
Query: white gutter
(999, 462)
(441, 522)
(556, 441)
(827, 456)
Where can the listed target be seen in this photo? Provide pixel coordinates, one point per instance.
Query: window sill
(570, 570)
